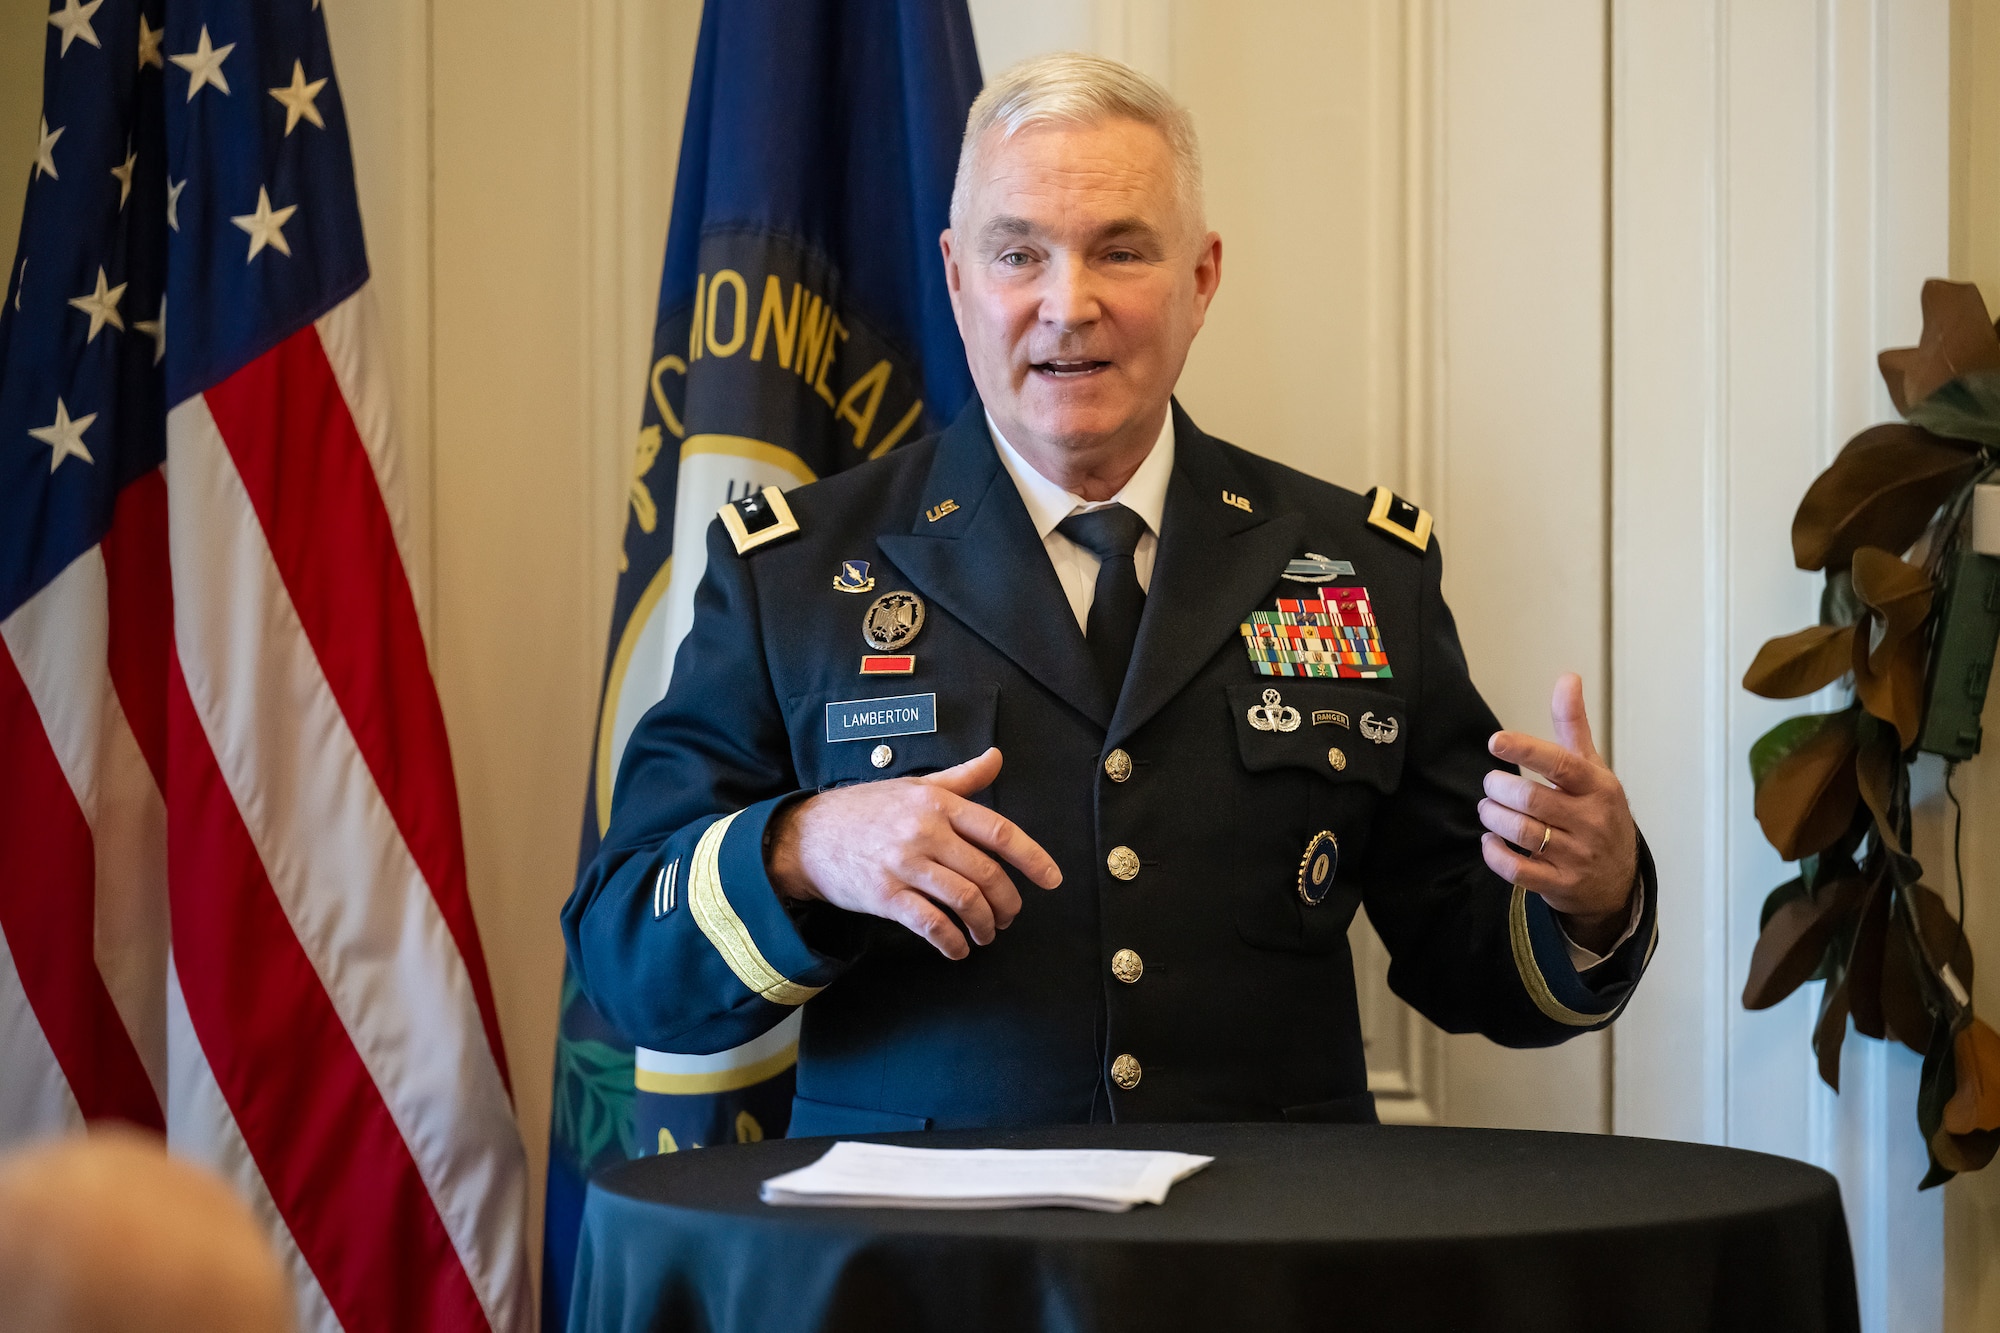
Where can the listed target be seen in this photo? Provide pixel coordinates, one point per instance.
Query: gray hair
(1073, 88)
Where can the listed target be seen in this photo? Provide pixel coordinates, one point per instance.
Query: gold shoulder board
(1399, 518)
(758, 519)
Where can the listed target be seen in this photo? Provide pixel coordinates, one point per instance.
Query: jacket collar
(973, 549)
(1217, 559)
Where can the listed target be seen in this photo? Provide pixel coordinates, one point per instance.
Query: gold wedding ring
(1547, 829)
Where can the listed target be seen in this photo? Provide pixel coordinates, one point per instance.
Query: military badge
(1380, 730)
(1392, 514)
(888, 664)
(758, 518)
(853, 577)
(1273, 715)
(893, 620)
(1315, 569)
(1318, 867)
(1332, 636)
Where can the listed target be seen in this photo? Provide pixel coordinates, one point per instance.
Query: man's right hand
(904, 847)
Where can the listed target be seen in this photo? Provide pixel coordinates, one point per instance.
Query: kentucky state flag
(803, 328)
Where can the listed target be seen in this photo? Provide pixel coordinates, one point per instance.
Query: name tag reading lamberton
(870, 719)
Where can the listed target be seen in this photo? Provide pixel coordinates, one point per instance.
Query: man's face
(1078, 287)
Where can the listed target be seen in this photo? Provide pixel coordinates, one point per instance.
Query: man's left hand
(1582, 846)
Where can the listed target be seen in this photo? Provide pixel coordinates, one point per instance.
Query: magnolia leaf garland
(1833, 789)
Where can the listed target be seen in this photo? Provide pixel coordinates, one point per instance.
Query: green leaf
(1967, 408)
(1767, 750)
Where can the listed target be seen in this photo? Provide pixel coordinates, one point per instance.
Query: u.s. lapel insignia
(1333, 635)
(1235, 501)
(1273, 714)
(940, 509)
(853, 577)
(758, 519)
(1318, 867)
(1400, 519)
(893, 620)
(1313, 568)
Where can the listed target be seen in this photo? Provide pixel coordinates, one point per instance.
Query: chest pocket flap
(837, 738)
(1343, 732)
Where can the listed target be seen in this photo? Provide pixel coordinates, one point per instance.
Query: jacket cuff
(1542, 956)
(739, 911)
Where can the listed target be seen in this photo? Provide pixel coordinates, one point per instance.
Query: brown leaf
(1889, 663)
(1897, 694)
(1880, 491)
(1941, 937)
(1831, 1031)
(1905, 1016)
(1957, 337)
(1875, 767)
(1864, 961)
(1801, 663)
(1963, 1152)
(1897, 591)
(1794, 940)
(1975, 1106)
(1808, 797)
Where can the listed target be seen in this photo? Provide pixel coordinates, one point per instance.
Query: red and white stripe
(326, 1036)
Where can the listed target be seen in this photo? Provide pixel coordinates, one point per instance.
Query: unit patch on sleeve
(758, 519)
(1332, 635)
(1401, 519)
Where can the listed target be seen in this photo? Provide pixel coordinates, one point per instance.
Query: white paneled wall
(1779, 193)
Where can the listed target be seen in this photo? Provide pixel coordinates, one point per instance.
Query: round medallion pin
(1318, 867)
(893, 620)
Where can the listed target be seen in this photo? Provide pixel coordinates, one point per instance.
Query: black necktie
(1111, 535)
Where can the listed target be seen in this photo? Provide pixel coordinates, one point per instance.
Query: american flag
(232, 885)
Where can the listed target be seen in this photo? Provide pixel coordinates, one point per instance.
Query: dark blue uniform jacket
(1245, 1009)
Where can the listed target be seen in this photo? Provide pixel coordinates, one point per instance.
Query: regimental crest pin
(1316, 569)
(1273, 714)
(893, 620)
(1318, 867)
(853, 577)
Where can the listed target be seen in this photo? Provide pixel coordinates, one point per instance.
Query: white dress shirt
(1146, 495)
(1049, 504)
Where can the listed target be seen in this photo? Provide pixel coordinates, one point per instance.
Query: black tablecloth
(1292, 1227)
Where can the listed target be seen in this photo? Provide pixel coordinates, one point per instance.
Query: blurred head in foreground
(106, 1233)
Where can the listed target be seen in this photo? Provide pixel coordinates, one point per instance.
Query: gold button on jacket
(1127, 966)
(1123, 862)
(1125, 1072)
(1118, 766)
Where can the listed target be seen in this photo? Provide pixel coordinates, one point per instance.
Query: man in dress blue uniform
(1231, 700)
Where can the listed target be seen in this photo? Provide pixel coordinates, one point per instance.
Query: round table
(1291, 1227)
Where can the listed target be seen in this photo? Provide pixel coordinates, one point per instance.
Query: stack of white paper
(878, 1175)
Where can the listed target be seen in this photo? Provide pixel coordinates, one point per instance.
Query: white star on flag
(174, 202)
(64, 437)
(157, 328)
(45, 151)
(265, 225)
(149, 44)
(73, 20)
(298, 99)
(204, 65)
(124, 174)
(102, 306)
